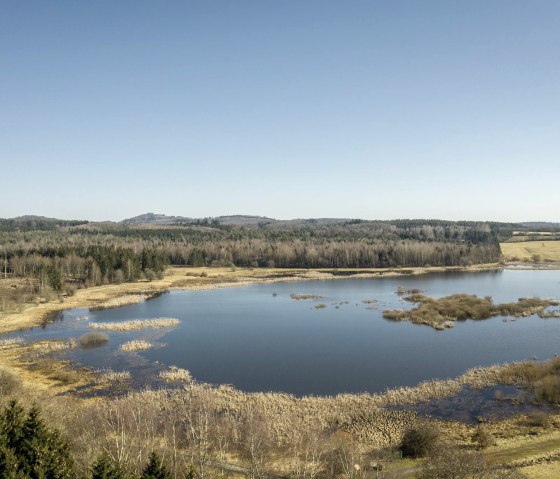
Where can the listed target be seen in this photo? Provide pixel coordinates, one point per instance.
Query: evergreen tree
(9, 466)
(155, 469)
(29, 449)
(104, 468)
(11, 426)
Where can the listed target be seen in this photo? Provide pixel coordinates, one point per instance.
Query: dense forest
(68, 254)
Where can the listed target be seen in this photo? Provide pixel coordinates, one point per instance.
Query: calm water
(260, 342)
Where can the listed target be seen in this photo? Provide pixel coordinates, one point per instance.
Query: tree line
(93, 254)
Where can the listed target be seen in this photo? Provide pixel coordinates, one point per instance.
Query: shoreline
(191, 279)
(38, 370)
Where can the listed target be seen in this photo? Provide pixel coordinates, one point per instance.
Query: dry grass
(121, 301)
(45, 347)
(135, 345)
(547, 470)
(10, 342)
(136, 324)
(105, 376)
(175, 374)
(531, 251)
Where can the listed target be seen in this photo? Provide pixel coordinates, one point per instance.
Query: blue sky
(369, 109)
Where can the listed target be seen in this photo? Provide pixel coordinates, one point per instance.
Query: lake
(258, 338)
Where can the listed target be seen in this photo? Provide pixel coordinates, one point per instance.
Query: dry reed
(136, 324)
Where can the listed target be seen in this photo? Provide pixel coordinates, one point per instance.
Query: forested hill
(55, 255)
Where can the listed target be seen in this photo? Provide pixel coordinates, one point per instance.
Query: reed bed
(10, 342)
(135, 345)
(136, 324)
(175, 374)
(303, 296)
(121, 301)
(57, 345)
(439, 313)
(109, 376)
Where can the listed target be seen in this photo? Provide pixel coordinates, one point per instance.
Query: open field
(531, 251)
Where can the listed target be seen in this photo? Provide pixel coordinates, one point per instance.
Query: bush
(93, 339)
(538, 419)
(419, 441)
(9, 382)
(483, 438)
(450, 462)
(548, 389)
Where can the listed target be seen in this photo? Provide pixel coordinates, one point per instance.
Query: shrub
(483, 438)
(93, 339)
(9, 382)
(548, 389)
(419, 441)
(538, 419)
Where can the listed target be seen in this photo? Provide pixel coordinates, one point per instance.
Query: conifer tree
(155, 469)
(29, 449)
(104, 468)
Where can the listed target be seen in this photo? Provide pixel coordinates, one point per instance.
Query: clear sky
(287, 108)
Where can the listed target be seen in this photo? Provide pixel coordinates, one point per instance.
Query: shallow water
(258, 341)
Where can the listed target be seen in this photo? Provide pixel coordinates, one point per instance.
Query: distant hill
(34, 222)
(244, 220)
(540, 226)
(161, 219)
(154, 218)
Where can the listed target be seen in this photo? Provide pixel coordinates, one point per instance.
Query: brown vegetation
(543, 379)
(300, 296)
(136, 324)
(439, 312)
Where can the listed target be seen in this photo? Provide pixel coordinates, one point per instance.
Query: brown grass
(175, 374)
(531, 251)
(136, 324)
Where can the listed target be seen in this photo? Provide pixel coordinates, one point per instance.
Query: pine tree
(9, 465)
(155, 469)
(11, 425)
(30, 449)
(105, 469)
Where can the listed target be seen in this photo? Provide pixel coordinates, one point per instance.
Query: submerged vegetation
(440, 312)
(93, 339)
(300, 296)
